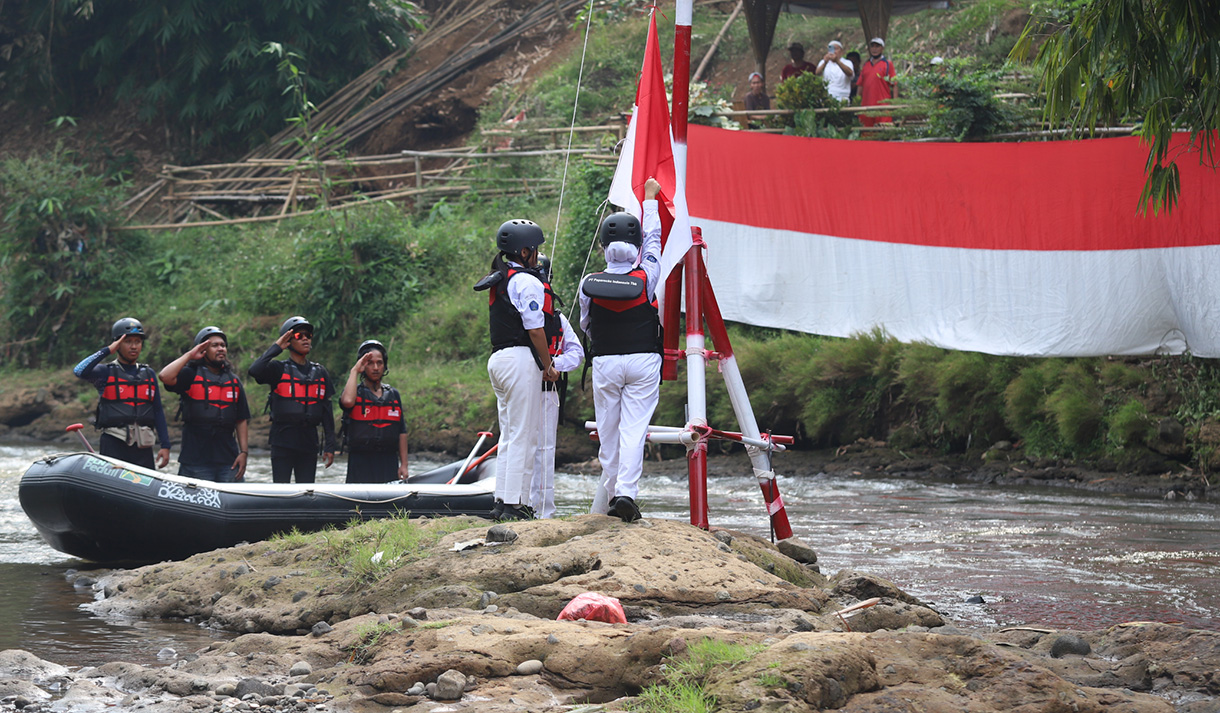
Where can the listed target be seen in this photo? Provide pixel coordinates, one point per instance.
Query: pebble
(300, 668)
(529, 668)
(321, 628)
(418, 613)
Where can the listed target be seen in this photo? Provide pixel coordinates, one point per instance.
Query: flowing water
(1042, 557)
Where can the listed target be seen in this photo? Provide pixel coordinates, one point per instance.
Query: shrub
(1076, 405)
(1129, 425)
(64, 272)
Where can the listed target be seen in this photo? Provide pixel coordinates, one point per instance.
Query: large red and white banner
(1022, 249)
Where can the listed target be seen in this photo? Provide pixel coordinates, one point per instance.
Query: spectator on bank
(798, 65)
(854, 58)
(836, 71)
(876, 80)
(757, 97)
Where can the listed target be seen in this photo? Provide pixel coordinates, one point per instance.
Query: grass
(368, 638)
(365, 551)
(686, 678)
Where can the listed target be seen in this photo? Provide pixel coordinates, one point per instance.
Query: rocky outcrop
(469, 621)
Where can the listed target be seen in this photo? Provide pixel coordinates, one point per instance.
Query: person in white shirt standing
(836, 71)
(519, 361)
(566, 355)
(618, 311)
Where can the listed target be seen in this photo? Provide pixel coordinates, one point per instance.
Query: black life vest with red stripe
(300, 399)
(631, 326)
(127, 398)
(507, 329)
(373, 423)
(211, 399)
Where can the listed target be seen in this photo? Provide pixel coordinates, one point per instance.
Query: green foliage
(959, 102)
(805, 93)
(64, 272)
(355, 279)
(1154, 61)
(199, 66)
(1129, 425)
(1076, 406)
(368, 637)
(684, 689)
(969, 399)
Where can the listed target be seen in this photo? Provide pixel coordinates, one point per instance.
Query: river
(1036, 556)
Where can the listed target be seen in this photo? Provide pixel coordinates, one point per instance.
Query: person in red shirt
(798, 65)
(876, 80)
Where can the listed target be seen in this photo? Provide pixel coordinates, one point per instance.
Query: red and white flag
(648, 152)
(1005, 248)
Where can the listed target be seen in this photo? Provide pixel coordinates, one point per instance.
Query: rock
(976, 599)
(1069, 644)
(797, 550)
(430, 690)
(226, 689)
(529, 668)
(418, 613)
(501, 533)
(300, 668)
(487, 598)
(321, 628)
(450, 686)
(248, 686)
(416, 689)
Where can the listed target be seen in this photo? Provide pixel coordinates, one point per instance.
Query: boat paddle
(77, 427)
(466, 463)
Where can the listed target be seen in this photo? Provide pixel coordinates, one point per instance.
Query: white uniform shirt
(650, 262)
(573, 354)
(526, 293)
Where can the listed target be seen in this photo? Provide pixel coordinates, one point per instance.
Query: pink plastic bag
(592, 606)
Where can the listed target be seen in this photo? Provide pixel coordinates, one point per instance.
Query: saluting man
(618, 311)
(300, 401)
(215, 414)
(519, 362)
(129, 407)
(373, 425)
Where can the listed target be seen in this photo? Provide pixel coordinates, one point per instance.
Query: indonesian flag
(648, 152)
(1004, 248)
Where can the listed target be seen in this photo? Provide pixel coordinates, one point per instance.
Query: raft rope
(567, 158)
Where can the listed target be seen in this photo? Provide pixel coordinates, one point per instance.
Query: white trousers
(517, 381)
(542, 486)
(626, 388)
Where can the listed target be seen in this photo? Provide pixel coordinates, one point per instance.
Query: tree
(1153, 61)
(197, 66)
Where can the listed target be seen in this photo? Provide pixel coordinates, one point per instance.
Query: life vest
(372, 424)
(551, 326)
(507, 330)
(127, 398)
(300, 399)
(211, 399)
(625, 326)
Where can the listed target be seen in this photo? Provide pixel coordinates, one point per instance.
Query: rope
(563, 183)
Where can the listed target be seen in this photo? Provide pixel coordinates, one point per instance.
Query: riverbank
(465, 614)
(39, 413)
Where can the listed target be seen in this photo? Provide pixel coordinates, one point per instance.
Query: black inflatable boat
(106, 510)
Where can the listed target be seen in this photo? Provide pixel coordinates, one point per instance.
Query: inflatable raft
(106, 510)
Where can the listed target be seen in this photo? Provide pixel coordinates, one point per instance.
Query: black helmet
(516, 235)
(125, 326)
(544, 268)
(620, 227)
(369, 345)
(207, 333)
(295, 323)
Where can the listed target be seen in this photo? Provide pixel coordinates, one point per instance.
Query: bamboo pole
(716, 42)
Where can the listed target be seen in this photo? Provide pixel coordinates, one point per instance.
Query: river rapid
(983, 555)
